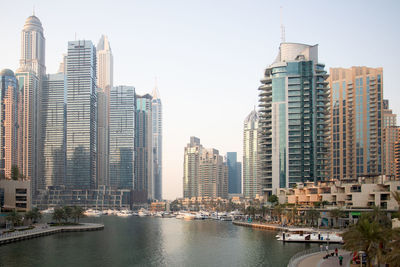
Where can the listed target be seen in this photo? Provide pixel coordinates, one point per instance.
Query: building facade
(294, 113)
(9, 124)
(356, 122)
(191, 168)
(122, 137)
(390, 136)
(81, 115)
(143, 146)
(105, 74)
(53, 124)
(251, 171)
(156, 118)
(234, 173)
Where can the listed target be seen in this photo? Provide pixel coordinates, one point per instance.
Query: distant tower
(143, 146)
(9, 125)
(81, 114)
(191, 168)
(156, 107)
(122, 137)
(234, 173)
(390, 136)
(104, 84)
(33, 46)
(251, 174)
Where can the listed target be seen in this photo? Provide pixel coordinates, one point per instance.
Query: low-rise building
(365, 192)
(15, 194)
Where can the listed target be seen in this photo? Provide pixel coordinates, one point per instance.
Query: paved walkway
(317, 260)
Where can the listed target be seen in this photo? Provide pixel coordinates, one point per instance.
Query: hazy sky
(209, 56)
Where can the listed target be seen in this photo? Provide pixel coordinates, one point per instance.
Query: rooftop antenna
(283, 40)
(33, 10)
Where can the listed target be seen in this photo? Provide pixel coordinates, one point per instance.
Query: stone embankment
(43, 230)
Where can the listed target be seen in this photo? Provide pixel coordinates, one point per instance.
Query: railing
(293, 262)
(17, 233)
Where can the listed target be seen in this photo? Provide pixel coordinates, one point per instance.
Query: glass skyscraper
(122, 137)
(53, 129)
(234, 173)
(143, 146)
(9, 124)
(156, 118)
(81, 114)
(251, 174)
(294, 114)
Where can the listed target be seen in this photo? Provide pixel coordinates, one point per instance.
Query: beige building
(356, 122)
(390, 136)
(205, 174)
(15, 195)
(364, 193)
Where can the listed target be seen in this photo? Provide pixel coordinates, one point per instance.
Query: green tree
(15, 218)
(393, 256)
(58, 214)
(14, 172)
(368, 236)
(278, 211)
(33, 215)
(312, 216)
(77, 213)
(273, 199)
(337, 213)
(67, 213)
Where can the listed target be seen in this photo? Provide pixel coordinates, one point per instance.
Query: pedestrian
(336, 252)
(327, 249)
(340, 260)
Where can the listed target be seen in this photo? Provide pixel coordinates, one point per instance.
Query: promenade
(44, 229)
(316, 259)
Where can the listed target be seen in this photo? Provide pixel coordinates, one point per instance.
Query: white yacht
(309, 235)
(92, 213)
(124, 213)
(47, 211)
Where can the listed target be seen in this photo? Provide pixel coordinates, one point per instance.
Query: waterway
(150, 241)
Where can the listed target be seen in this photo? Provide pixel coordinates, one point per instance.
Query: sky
(209, 56)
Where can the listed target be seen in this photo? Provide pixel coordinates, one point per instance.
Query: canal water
(150, 241)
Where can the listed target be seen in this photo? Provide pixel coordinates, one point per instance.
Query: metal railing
(293, 262)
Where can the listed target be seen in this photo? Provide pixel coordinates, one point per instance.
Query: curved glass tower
(294, 113)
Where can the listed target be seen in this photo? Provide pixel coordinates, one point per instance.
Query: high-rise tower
(156, 108)
(122, 137)
(294, 107)
(356, 122)
(143, 146)
(81, 114)
(104, 84)
(251, 173)
(234, 173)
(9, 124)
(390, 136)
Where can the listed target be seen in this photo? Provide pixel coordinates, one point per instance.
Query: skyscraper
(122, 137)
(251, 172)
(33, 46)
(54, 129)
(390, 136)
(156, 108)
(9, 124)
(104, 83)
(294, 106)
(81, 114)
(191, 167)
(356, 122)
(234, 173)
(143, 146)
(205, 174)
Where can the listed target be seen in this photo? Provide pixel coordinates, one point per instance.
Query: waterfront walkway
(316, 259)
(44, 229)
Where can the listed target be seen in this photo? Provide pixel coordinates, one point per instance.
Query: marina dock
(44, 230)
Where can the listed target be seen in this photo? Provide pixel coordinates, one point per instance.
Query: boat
(189, 216)
(92, 213)
(308, 235)
(225, 218)
(124, 213)
(142, 212)
(47, 211)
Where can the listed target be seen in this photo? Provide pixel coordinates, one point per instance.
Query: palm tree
(379, 216)
(15, 218)
(67, 213)
(77, 213)
(312, 215)
(58, 214)
(393, 256)
(337, 213)
(368, 236)
(33, 215)
(278, 210)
